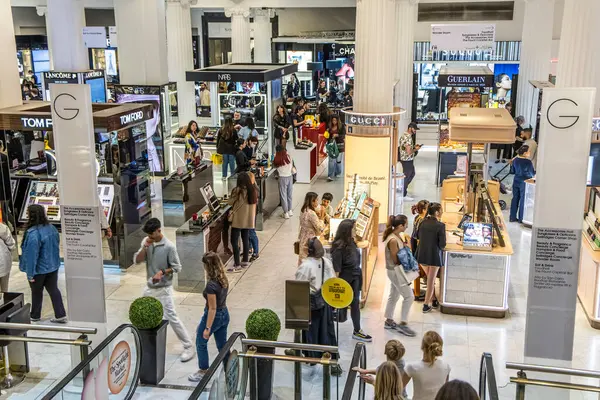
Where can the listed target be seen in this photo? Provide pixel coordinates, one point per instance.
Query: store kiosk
(95, 78)
(122, 169)
(468, 91)
(475, 278)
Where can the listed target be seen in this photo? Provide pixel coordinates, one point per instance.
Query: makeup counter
(476, 273)
(122, 163)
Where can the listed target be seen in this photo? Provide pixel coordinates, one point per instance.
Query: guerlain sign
(480, 81)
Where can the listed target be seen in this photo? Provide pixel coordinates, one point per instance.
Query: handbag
(294, 173)
(316, 299)
(217, 159)
(409, 265)
(340, 315)
(332, 150)
(297, 247)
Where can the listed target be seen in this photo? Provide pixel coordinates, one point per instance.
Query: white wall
(27, 22)
(293, 21)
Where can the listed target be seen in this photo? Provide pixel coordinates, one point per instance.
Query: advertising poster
(299, 57)
(503, 74)
(154, 133)
(463, 37)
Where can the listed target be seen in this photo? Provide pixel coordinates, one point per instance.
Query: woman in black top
(243, 163)
(432, 240)
(216, 316)
(346, 263)
(281, 126)
(297, 122)
(226, 145)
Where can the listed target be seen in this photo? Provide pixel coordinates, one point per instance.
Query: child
(394, 351)
(430, 373)
(326, 203)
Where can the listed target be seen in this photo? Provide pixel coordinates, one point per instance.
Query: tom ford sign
(132, 117)
(36, 123)
(480, 81)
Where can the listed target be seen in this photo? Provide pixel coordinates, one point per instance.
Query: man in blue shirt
(524, 170)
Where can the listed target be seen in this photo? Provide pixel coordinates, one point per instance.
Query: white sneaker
(408, 198)
(187, 354)
(291, 213)
(196, 376)
(286, 215)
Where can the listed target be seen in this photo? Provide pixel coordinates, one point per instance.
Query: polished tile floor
(262, 285)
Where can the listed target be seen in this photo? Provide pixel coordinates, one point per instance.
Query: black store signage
(60, 77)
(480, 81)
(36, 123)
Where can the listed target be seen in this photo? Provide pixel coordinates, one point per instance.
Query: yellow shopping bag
(217, 159)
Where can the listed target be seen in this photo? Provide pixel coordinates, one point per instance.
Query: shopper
(432, 240)
(243, 201)
(249, 130)
(407, 156)
(524, 170)
(324, 114)
(242, 162)
(316, 269)
(527, 140)
(237, 120)
(310, 224)
(325, 210)
(346, 262)
(162, 262)
(388, 384)
(7, 245)
(193, 150)
(297, 122)
(252, 236)
(429, 374)
(337, 133)
(322, 92)
(394, 352)
(420, 209)
(281, 125)
(40, 260)
(251, 147)
(518, 139)
(226, 141)
(285, 166)
(457, 390)
(292, 90)
(216, 316)
(397, 275)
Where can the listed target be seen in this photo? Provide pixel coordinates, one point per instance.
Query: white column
(262, 35)
(197, 23)
(10, 90)
(141, 32)
(373, 90)
(536, 47)
(240, 34)
(42, 11)
(406, 18)
(579, 47)
(181, 57)
(67, 19)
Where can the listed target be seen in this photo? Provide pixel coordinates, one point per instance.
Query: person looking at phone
(408, 151)
(162, 261)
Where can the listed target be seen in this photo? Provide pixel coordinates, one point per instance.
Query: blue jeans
(228, 160)
(253, 241)
(218, 329)
(334, 168)
(518, 201)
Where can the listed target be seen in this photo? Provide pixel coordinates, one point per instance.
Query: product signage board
(218, 30)
(79, 204)
(556, 240)
(342, 50)
(463, 37)
(481, 81)
(112, 37)
(94, 37)
(35, 123)
(369, 120)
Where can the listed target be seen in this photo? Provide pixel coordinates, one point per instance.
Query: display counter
(305, 161)
(449, 160)
(529, 202)
(317, 137)
(588, 287)
(181, 194)
(193, 240)
(474, 282)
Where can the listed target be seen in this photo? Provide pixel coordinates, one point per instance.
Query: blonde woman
(388, 385)
(429, 374)
(216, 317)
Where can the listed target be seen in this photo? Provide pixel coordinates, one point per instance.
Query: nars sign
(223, 77)
(133, 117)
(36, 122)
(369, 120)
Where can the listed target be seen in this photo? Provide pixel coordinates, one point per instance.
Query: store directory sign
(463, 37)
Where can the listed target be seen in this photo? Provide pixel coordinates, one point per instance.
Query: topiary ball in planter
(146, 313)
(263, 324)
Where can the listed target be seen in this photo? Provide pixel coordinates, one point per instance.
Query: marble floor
(262, 285)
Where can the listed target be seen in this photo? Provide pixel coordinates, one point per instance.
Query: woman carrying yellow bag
(216, 159)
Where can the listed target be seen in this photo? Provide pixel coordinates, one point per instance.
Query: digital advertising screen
(153, 126)
(299, 57)
(503, 74)
(98, 89)
(478, 236)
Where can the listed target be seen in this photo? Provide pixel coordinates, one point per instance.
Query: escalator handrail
(214, 366)
(487, 376)
(101, 347)
(359, 359)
